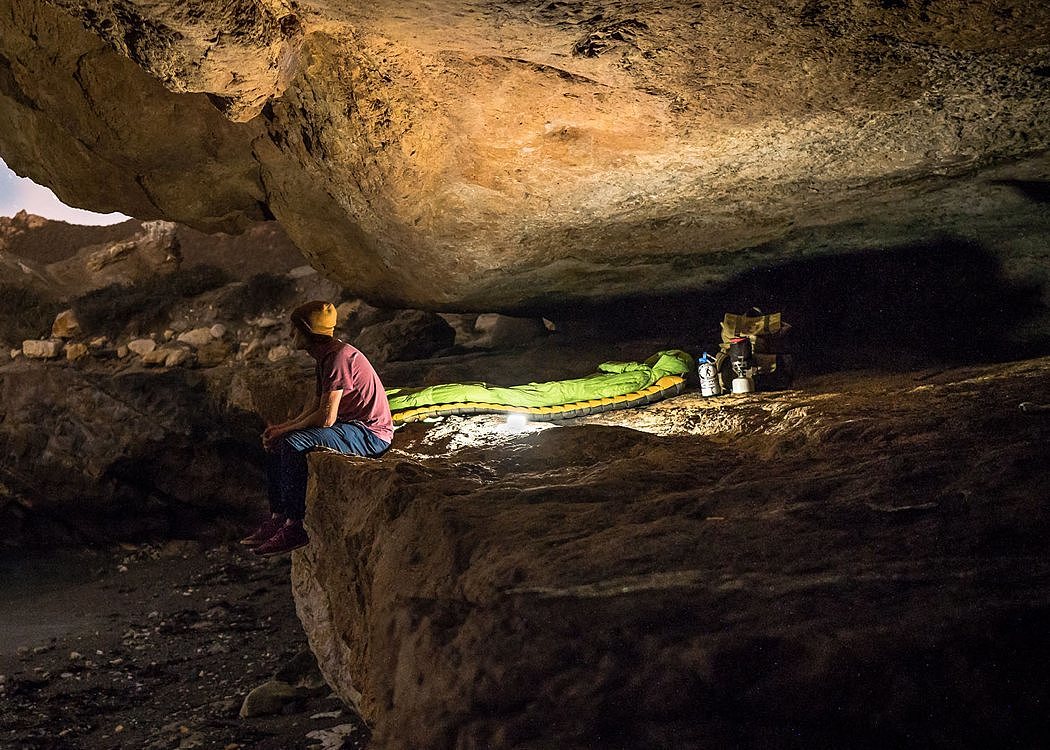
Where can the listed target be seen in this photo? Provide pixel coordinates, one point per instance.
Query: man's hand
(270, 435)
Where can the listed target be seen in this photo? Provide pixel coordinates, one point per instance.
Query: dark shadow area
(942, 302)
(1037, 191)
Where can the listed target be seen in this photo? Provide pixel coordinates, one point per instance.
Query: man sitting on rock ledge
(350, 414)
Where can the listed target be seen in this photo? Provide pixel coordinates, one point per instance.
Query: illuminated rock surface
(515, 155)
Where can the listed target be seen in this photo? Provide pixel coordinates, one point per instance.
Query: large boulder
(768, 572)
(410, 334)
(516, 156)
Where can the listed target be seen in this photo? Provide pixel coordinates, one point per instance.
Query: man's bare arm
(323, 414)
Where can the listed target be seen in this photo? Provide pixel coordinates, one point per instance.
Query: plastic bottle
(708, 372)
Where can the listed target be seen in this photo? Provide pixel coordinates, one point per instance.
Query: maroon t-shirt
(342, 367)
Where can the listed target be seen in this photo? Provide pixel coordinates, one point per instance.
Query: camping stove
(743, 368)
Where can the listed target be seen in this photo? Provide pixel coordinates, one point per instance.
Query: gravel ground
(156, 647)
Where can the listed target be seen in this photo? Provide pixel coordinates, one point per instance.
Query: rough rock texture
(857, 564)
(150, 252)
(521, 155)
(411, 334)
(95, 448)
(42, 349)
(90, 456)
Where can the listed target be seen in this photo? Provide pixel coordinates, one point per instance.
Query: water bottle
(708, 372)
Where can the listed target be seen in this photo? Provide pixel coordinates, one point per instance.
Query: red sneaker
(269, 527)
(288, 537)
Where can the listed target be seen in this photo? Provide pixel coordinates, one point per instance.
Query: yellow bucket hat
(317, 316)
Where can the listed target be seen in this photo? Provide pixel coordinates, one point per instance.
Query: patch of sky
(22, 194)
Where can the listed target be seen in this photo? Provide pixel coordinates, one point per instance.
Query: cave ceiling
(514, 155)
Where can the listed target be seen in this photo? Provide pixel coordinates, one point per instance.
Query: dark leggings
(286, 468)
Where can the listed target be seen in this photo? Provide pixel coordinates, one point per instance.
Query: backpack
(770, 345)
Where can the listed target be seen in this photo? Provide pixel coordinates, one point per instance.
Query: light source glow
(517, 422)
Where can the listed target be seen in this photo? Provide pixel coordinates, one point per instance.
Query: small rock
(347, 309)
(179, 548)
(278, 353)
(142, 347)
(302, 272)
(156, 357)
(76, 351)
(332, 738)
(197, 337)
(42, 349)
(177, 358)
(16, 353)
(213, 354)
(217, 331)
(166, 356)
(168, 335)
(98, 342)
(73, 655)
(231, 706)
(122, 351)
(268, 699)
(65, 326)
(354, 315)
(191, 741)
(327, 715)
(265, 322)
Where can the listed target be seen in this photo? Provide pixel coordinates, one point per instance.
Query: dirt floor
(154, 647)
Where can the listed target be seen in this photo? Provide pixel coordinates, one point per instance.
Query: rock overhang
(519, 156)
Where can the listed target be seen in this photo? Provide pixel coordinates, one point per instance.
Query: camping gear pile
(755, 354)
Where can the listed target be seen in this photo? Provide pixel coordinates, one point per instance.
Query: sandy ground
(153, 647)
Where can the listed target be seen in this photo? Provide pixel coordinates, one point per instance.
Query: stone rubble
(142, 347)
(66, 325)
(42, 349)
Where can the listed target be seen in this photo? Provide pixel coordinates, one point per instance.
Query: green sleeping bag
(613, 381)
